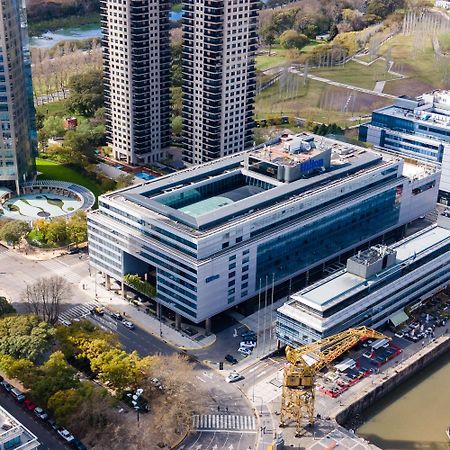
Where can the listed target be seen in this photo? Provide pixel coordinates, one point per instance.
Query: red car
(29, 405)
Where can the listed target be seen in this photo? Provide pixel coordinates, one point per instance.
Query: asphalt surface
(16, 271)
(46, 436)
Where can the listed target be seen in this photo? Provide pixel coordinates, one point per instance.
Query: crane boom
(303, 365)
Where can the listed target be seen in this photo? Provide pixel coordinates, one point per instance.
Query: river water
(416, 414)
(90, 31)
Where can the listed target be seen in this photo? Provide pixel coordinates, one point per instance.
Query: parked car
(117, 316)
(128, 324)
(6, 386)
(53, 424)
(66, 323)
(368, 354)
(18, 395)
(77, 444)
(249, 344)
(40, 413)
(233, 376)
(29, 404)
(231, 359)
(245, 351)
(399, 334)
(65, 434)
(249, 336)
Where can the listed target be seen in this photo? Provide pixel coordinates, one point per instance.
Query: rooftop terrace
(234, 187)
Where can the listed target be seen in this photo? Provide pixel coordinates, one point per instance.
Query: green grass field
(54, 171)
(419, 63)
(356, 74)
(53, 109)
(316, 101)
(278, 57)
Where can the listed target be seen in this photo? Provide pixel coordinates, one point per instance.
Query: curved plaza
(46, 199)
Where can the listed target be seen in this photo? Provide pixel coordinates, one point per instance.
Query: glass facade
(298, 249)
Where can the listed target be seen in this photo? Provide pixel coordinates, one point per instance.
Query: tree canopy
(13, 231)
(6, 307)
(24, 336)
(86, 92)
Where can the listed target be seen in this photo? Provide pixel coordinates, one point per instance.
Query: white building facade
(13, 435)
(214, 236)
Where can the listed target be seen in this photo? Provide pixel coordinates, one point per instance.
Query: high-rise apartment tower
(17, 131)
(136, 60)
(219, 78)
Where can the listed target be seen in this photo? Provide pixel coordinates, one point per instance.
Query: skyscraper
(219, 78)
(136, 60)
(17, 131)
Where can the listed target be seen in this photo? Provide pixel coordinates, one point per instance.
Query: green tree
(24, 336)
(56, 233)
(6, 307)
(77, 228)
(86, 92)
(177, 125)
(14, 231)
(268, 36)
(53, 126)
(293, 39)
(20, 368)
(53, 376)
(125, 180)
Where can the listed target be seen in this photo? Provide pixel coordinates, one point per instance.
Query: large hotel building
(17, 133)
(219, 78)
(215, 235)
(136, 59)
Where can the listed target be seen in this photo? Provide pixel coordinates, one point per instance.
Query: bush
(293, 39)
(140, 285)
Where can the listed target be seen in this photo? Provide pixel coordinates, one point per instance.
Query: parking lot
(370, 357)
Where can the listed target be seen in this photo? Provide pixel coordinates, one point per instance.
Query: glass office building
(17, 131)
(213, 236)
(416, 128)
(375, 288)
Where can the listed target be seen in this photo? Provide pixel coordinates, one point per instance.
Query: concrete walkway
(136, 314)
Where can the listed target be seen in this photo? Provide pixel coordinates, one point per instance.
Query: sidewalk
(136, 314)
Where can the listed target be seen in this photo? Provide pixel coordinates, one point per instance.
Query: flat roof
(208, 211)
(341, 285)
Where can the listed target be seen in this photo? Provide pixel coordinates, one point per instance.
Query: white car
(128, 324)
(65, 434)
(245, 351)
(248, 344)
(233, 376)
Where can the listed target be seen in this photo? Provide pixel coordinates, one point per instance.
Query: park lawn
(278, 57)
(54, 171)
(417, 62)
(53, 109)
(356, 74)
(316, 101)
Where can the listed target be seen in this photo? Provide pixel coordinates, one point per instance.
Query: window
(245, 277)
(212, 278)
(231, 274)
(232, 266)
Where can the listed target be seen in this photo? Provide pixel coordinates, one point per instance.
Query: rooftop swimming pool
(144, 176)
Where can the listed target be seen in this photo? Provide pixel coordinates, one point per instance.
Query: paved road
(47, 437)
(16, 271)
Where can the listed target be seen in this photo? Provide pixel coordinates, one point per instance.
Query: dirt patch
(409, 86)
(341, 99)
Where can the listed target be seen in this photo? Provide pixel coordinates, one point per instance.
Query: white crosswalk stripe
(77, 312)
(223, 422)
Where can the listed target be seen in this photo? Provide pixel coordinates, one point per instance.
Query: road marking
(252, 370)
(261, 374)
(201, 379)
(223, 422)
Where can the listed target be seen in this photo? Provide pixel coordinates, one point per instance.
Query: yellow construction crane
(304, 363)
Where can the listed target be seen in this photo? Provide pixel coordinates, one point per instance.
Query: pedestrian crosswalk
(77, 312)
(221, 422)
(62, 269)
